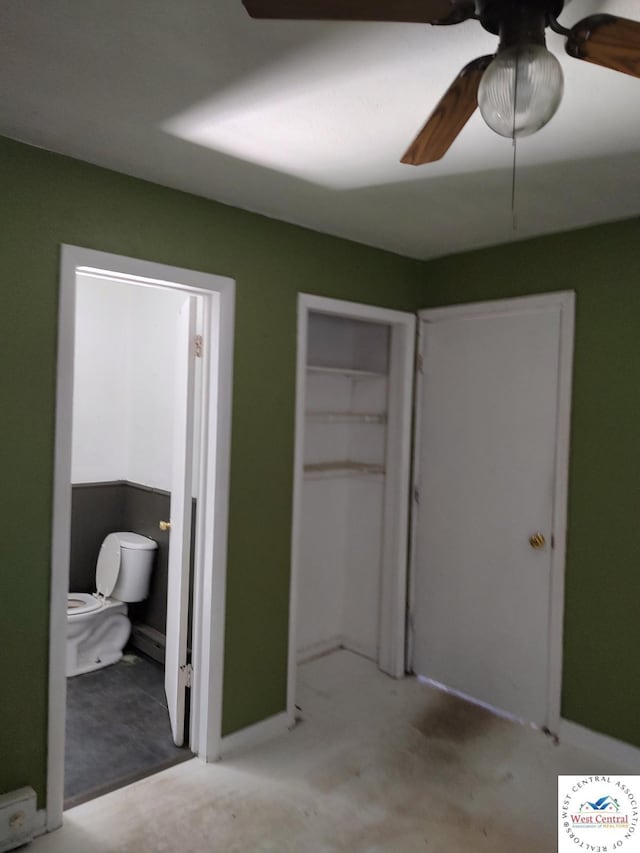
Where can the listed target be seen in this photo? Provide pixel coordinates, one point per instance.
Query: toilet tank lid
(109, 558)
(135, 542)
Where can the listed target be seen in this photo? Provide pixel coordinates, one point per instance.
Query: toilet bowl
(97, 624)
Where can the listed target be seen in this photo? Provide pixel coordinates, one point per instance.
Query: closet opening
(351, 489)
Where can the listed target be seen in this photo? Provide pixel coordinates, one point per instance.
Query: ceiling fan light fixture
(527, 78)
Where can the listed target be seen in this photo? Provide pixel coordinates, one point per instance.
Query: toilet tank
(137, 554)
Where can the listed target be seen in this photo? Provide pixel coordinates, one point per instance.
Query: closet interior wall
(345, 450)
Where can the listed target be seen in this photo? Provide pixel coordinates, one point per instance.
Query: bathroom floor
(117, 728)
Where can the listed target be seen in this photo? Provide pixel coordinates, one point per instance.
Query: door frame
(391, 657)
(218, 294)
(565, 302)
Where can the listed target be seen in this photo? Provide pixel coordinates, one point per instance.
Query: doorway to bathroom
(142, 450)
(129, 404)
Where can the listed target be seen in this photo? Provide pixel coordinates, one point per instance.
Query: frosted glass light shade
(535, 77)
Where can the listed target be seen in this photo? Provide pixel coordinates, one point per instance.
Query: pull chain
(514, 215)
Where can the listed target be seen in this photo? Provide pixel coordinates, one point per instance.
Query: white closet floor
(375, 766)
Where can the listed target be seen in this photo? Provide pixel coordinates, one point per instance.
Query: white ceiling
(307, 122)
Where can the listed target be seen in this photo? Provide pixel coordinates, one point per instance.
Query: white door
(486, 437)
(175, 673)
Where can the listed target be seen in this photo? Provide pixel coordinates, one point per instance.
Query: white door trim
(180, 514)
(394, 560)
(565, 301)
(213, 498)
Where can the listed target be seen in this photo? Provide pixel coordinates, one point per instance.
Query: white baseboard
(606, 747)
(352, 645)
(254, 735)
(315, 650)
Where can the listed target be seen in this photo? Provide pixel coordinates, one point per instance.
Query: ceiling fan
(518, 89)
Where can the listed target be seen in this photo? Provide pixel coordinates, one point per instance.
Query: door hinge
(419, 362)
(186, 674)
(198, 346)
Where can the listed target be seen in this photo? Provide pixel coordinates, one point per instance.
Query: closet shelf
(327, 470)
(346, 371)
(320, 417)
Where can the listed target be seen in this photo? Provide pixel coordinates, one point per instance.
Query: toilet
(97, 624)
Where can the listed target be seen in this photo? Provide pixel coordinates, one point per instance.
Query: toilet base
(93, 664)
(100, 641)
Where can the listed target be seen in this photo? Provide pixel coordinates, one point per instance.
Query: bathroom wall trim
(218, 295)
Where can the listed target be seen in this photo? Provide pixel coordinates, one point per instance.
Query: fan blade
(408, 11)
(453, 111)
(607, 40)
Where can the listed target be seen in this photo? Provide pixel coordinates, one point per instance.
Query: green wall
(48, 200)
(601, 684)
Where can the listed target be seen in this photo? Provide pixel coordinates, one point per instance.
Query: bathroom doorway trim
(218, 295)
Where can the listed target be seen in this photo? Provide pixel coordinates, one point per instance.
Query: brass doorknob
(165, 525)
(537, 540)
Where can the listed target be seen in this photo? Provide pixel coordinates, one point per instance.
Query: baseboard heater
(17, 818)
(149, 641)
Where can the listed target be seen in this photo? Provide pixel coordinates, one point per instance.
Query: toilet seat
(81, 602)
(108, 565)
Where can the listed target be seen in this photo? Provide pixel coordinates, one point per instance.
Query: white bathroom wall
(151, 380)
(100, 396)
(123, 383)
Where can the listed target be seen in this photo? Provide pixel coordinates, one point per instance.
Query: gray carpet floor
(117, 729)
